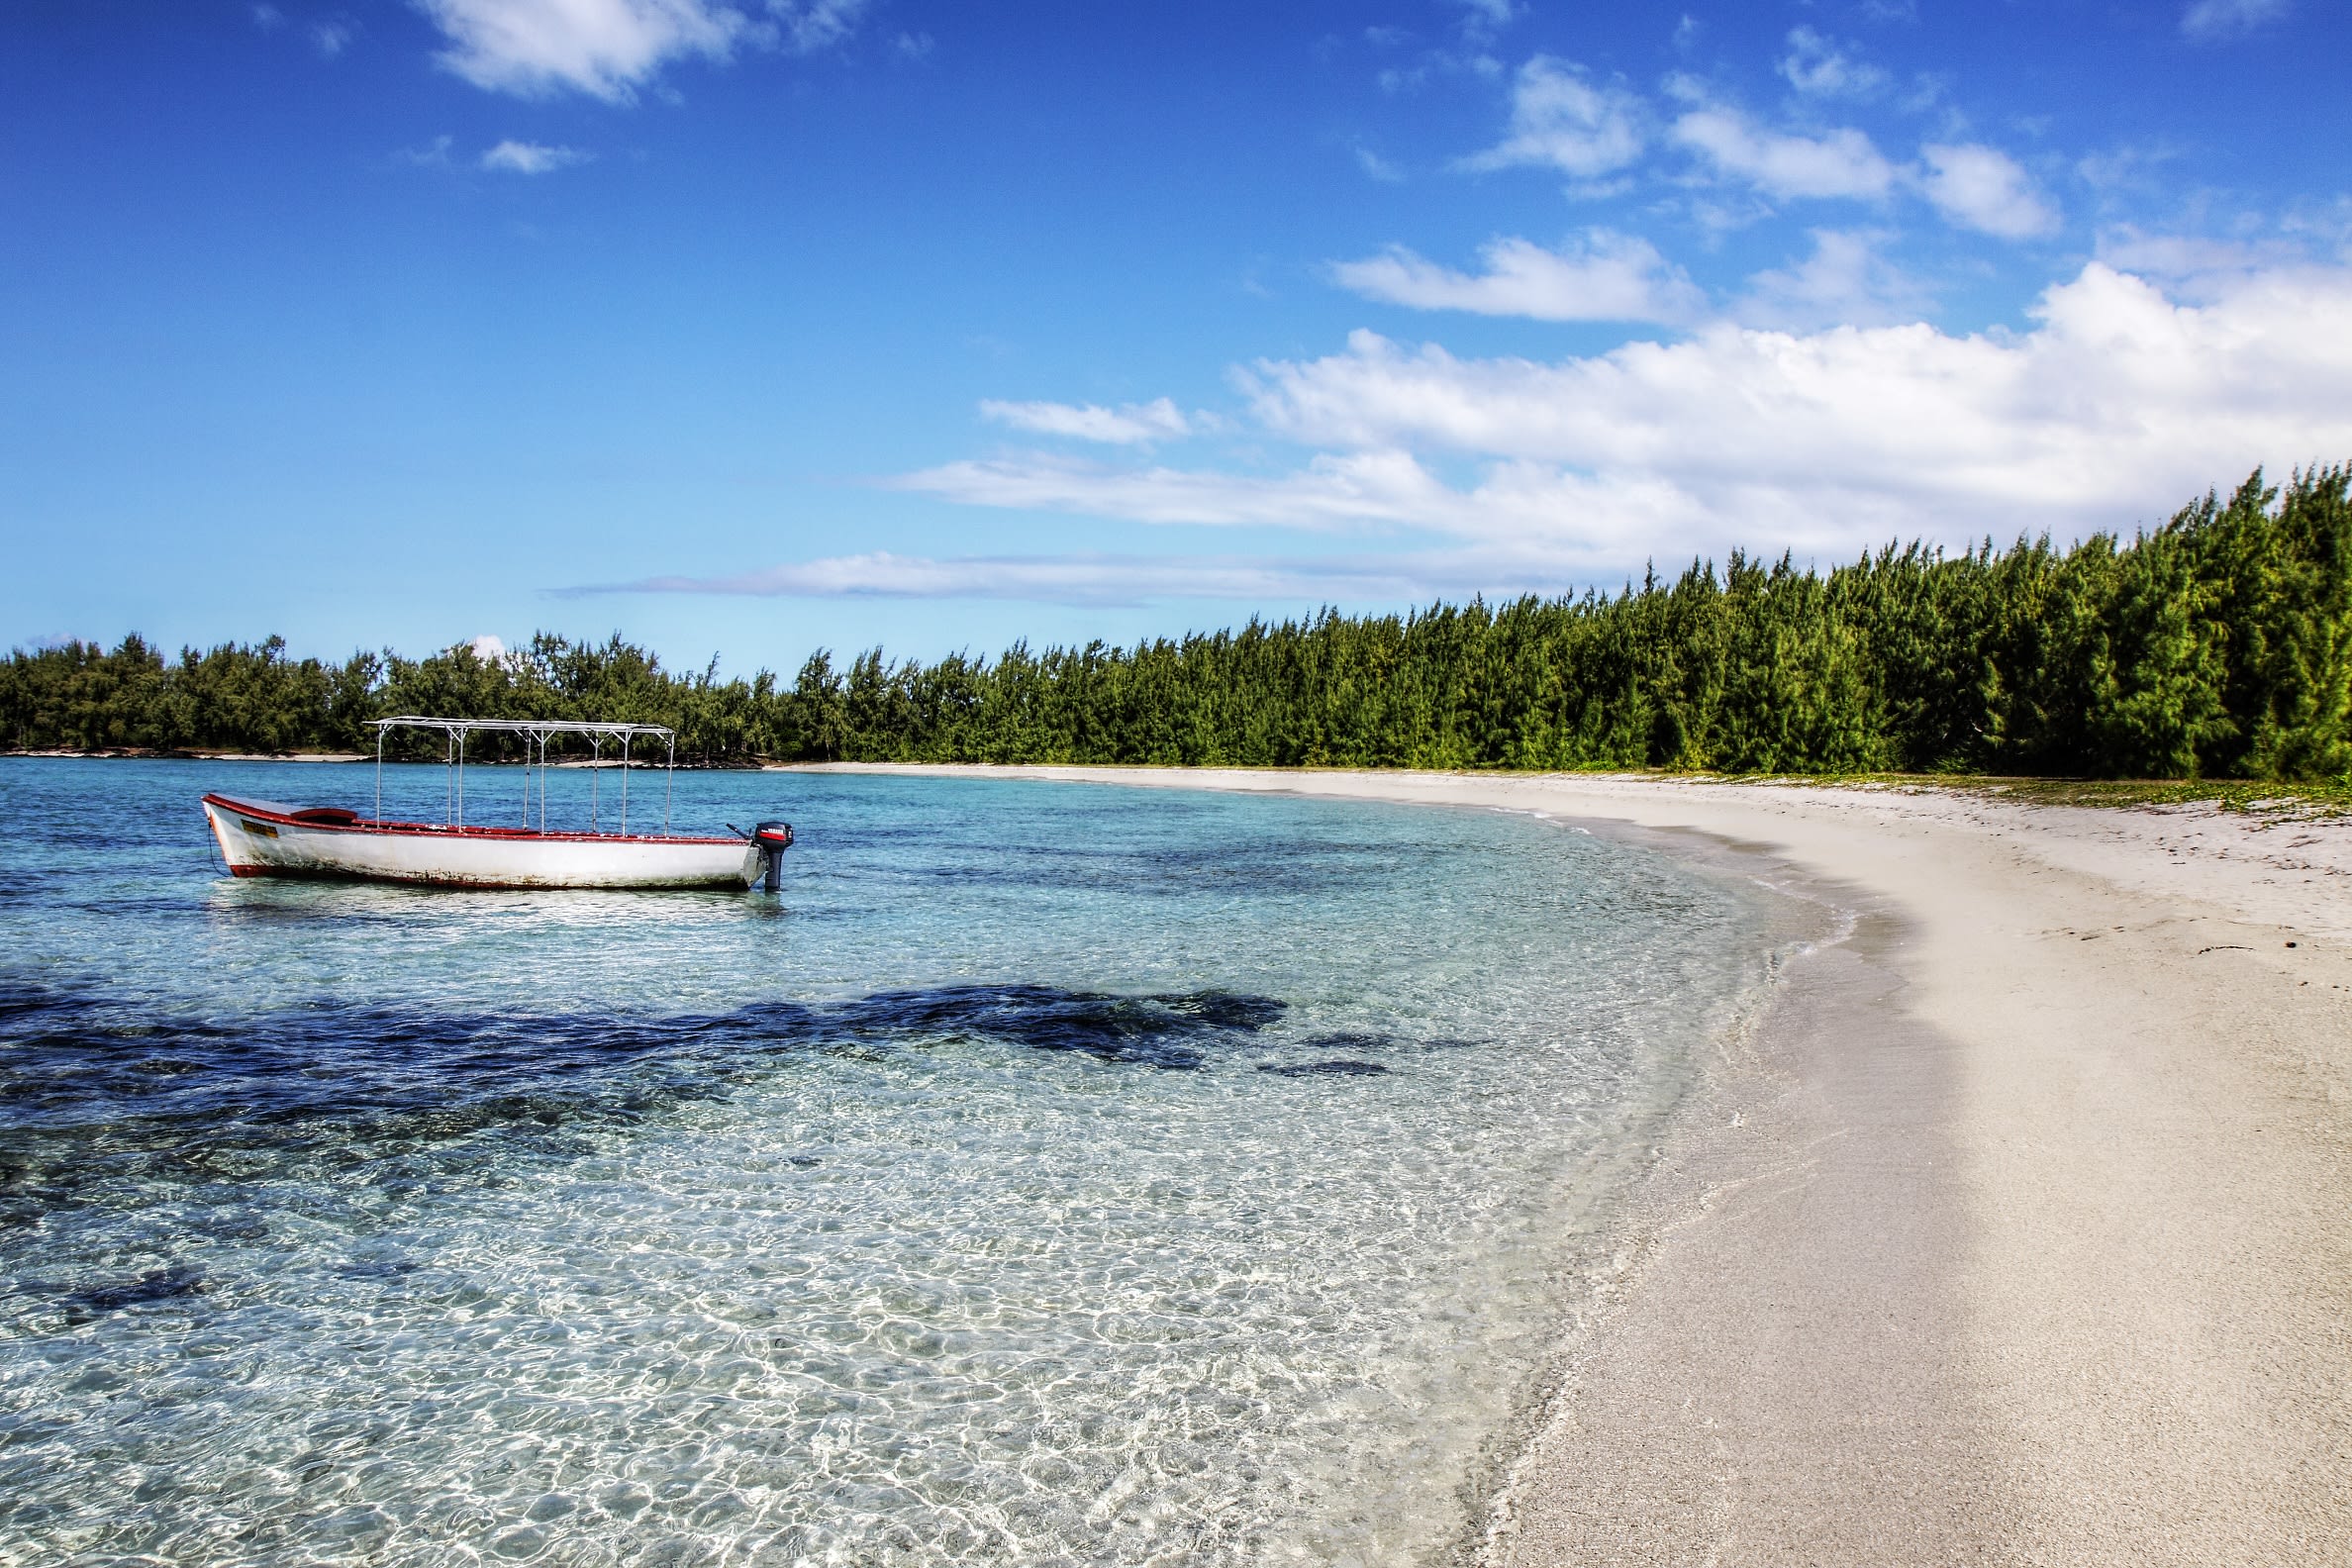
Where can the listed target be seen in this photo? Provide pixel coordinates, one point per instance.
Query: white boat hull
(264, 838)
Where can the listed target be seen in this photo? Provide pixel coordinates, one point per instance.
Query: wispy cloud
(2201, 267)
(607, 48)
(2126, 167)
(2209, 19)
(531, 158)
(1837, 164)
(2169, 257)
(1562, 119)
(1483, 20)
(1982, 188)
(1133, 425)
(1122, 580)
(330, 35)
(1334, 491)
(1489, 12)
(1847, 280)
(1821, 68)
(431, 154)
(1603, 276)
(808, 27)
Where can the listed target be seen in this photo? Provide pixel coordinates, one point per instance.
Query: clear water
(1051, 1174)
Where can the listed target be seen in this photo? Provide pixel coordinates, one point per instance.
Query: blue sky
(748, 325)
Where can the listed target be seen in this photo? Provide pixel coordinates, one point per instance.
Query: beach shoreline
(2017, 1229)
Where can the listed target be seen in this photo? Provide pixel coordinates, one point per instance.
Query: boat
(270, 839)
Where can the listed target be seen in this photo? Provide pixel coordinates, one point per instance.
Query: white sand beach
(2019, 1229)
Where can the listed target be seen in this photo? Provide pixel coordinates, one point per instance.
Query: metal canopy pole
(539, 732)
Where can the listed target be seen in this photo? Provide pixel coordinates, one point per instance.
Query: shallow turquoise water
(1050, 1174)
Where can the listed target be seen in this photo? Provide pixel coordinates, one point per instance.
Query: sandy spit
(2019, 1230)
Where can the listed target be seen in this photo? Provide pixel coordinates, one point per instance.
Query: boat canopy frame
(535, 733)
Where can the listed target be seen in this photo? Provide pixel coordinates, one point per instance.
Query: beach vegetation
(2217, 645)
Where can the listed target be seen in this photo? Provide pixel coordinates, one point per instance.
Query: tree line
(2218, 645)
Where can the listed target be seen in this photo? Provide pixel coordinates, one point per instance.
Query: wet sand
(2017, 1229)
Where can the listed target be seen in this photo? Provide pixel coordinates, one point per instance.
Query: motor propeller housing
(771, 839)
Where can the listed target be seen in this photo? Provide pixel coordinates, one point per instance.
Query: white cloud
(1821, 67)
(488, 647)
(531, 158)
(2115, 407)
(1841, 162)
(2113, 375)
(1846, 281)
(1378, 167)
(1560, 118)
(2222, 19)
(609, 48)
(1131, 424)
(1982, 188)
(603, 47)
(1604, 276)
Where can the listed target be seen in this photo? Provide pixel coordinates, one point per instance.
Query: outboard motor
(771, 839)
